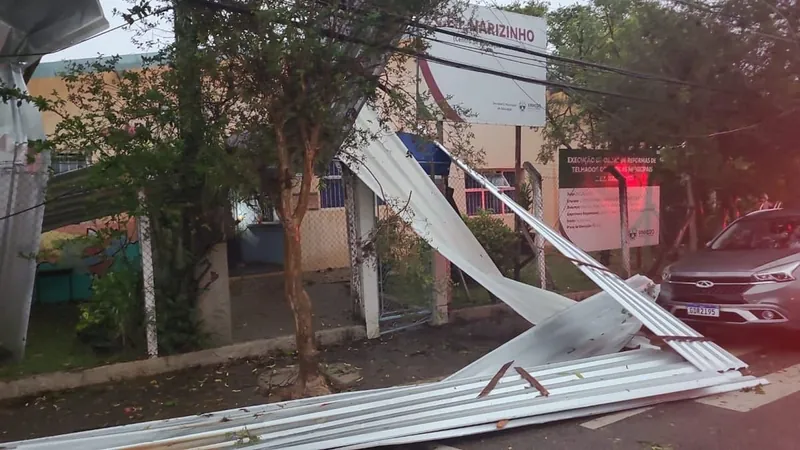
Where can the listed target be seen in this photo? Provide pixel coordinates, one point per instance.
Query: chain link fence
(148, 283)
(324, 229)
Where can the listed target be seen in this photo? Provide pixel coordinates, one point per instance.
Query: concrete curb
(60, 381)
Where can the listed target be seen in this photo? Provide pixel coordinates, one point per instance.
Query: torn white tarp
(28, 30)
(391, 172)
(34, 28)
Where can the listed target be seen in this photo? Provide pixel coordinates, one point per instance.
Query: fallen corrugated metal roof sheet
(686, 341)
(409, 414)
(565, 336)
(71, 200)
(568, 366)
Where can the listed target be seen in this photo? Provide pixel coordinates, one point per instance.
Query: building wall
(498, 143)
(324, 228)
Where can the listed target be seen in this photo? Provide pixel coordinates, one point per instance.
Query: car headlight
(778, 274)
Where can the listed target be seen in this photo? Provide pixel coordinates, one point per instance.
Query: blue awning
(430, 157)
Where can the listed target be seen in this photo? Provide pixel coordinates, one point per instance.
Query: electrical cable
(445, 62)
(40, 204)
(218, 5)
(541, 54)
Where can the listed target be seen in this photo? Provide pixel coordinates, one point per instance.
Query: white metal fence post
(442, 292)
(360, 210)
(538, 212)
(149, 283)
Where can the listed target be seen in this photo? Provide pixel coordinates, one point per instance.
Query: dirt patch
(395, 359)
(260, 310)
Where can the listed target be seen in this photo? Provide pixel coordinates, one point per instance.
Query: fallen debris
(533, 381)
(342, 376)
(493, 382)
(572, 357)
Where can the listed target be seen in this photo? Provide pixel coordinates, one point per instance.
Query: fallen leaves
(501, 424)
(758, 390)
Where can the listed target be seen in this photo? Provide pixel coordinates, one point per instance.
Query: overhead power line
(468, 67)
(549, 56)
(717, 10)
(408, 52)
(562, 59)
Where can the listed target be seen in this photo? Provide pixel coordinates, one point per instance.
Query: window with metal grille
(67, 162)
(480, 199)
(331, 187)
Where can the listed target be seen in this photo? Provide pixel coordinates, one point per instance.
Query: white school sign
(488, 99)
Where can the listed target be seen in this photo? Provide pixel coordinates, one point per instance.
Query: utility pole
(623, 219)
(442, 292)
(518, 190)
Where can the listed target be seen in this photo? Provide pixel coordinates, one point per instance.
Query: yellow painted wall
(45, 88)
(325, 240)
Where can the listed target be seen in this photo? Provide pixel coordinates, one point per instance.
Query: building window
(331, 187)
(67, 162)
(480, 199)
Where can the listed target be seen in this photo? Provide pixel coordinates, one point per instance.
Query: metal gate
(402, 304)
(403, 301)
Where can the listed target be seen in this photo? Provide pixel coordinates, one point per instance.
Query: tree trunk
(310, 381)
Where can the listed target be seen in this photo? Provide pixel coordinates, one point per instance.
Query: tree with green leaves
(252, 97)
(303, 71)
(709, 86)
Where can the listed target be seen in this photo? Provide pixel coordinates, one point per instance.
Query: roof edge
(54, 69)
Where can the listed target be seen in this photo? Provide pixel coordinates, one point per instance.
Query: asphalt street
(765, 419)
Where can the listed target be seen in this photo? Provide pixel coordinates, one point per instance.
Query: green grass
(53, 345)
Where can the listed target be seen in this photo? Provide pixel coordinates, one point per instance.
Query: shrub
(113, 319)
(496, 237)
(405, 261)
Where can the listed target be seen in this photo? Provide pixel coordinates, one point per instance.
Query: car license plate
(703, 310)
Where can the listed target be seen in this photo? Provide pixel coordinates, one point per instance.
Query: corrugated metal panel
(376, 416)
(736, 385)
(566, 336)
(703, 354)
(71, 200)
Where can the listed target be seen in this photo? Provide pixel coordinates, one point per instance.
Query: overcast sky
(122, 41)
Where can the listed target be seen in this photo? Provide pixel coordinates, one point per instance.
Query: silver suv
(747, 275)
